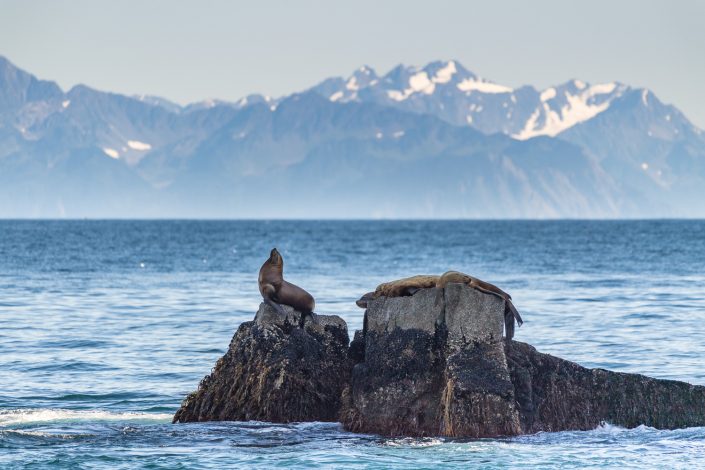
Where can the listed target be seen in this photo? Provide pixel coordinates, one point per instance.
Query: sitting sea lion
(275, 290)
(409, 286)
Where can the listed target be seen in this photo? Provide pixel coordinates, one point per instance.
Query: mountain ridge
(369, 146)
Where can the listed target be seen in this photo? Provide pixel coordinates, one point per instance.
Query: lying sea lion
(399, 288)
(275, 290)
(409, 286)
(510, 312)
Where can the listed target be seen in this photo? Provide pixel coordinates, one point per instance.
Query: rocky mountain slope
(436, 141)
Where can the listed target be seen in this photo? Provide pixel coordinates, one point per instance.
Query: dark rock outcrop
(431, 364)
(556, 395)
(435, 363)
(276, 371)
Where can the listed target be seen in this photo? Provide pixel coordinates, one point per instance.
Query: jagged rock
(431, 364)
(276, 371)
(556, 395)
(435, 363)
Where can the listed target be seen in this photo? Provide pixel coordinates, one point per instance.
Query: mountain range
(418, 142)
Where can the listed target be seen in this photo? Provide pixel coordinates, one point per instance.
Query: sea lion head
(363, 301)
(275, 258)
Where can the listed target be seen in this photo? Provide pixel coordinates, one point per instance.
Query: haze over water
(105, 326)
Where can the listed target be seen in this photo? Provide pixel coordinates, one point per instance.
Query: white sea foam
(51, 435)
(414, 442)
(14, 417)
(614, 429)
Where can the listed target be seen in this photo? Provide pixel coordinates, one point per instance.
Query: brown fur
(275, 290)
(399, 288)
(409, 285)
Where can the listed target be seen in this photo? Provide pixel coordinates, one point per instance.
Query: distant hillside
(436, 141)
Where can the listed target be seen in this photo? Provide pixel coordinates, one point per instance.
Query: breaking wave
(29, 416)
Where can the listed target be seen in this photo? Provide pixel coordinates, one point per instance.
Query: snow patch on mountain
(352, 84)
(558, 112)
(445, 74)
(137, 145)
(482, 86)
(547, 94)
(452, 93)
(112, 153)
(420, 82)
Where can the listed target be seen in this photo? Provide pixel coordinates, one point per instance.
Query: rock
(275, 371)
(435, 364)
(431, 364)
(557, 395)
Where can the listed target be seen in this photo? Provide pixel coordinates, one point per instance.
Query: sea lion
(409, 285)
(510, 312)
(399, 288)
(275, 290)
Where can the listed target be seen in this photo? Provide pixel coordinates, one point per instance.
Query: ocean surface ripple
(105, 326)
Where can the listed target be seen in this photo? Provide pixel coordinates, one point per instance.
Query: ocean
(105, 326)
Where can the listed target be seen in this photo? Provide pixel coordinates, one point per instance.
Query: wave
(28, 416)
(612, 429)
(413, 442)
(41, 435)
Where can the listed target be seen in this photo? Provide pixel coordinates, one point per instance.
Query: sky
(190, 51)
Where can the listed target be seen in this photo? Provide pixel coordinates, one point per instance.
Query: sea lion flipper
(268, 294)
(515, 312)
(488, 291)
(508, 324)
(510, 316)
(275, 306)
(313, 316)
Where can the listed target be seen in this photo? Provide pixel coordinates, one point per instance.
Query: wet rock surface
(275, 371)
(435, 364)
(557, 395)
(432, 364)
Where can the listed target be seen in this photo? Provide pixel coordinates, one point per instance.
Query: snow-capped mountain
(437, 141)
(451, 92)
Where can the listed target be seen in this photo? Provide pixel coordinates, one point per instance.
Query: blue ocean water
(105, 326)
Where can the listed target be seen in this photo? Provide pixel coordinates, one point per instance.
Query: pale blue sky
(188, 51)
